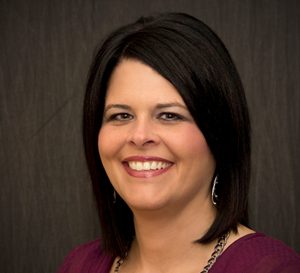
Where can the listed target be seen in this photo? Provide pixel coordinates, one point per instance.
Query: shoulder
(86, 258)
(258, 253)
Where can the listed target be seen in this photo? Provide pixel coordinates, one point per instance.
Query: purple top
(257, 253)
(253, 253)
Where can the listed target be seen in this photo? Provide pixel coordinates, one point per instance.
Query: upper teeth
(148, 165)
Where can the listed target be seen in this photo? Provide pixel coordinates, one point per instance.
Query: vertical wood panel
(45, 50)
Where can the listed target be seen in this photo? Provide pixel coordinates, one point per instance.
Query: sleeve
(68, 261)
(87, 258)
(277, 264)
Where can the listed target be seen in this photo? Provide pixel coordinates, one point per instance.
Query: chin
(147, 205)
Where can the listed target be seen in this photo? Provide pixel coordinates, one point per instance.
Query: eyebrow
(120, 106)
(158, 106)
(172, 104)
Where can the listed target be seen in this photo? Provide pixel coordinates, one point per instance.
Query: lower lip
(145, 174)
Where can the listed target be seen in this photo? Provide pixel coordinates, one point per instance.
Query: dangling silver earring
(214, 196)
(114, 197)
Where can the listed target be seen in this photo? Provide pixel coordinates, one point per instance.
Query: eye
(169, 116)
(120, 117)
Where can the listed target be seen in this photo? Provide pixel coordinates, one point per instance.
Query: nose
(143, 134)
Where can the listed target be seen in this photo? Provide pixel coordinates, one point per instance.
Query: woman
(167, 139)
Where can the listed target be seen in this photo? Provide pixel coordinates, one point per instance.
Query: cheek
(192, 141)
(111, 141)
(196, 152)
(108, 143)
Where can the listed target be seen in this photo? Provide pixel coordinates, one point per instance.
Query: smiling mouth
(148, 165)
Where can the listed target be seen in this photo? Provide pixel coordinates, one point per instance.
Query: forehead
(132, 80)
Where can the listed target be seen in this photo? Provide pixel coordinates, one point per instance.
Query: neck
(165, 238)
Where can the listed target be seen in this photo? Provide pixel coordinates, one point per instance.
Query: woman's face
(152, 151)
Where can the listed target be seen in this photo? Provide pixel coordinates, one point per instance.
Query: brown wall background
(46, 47)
